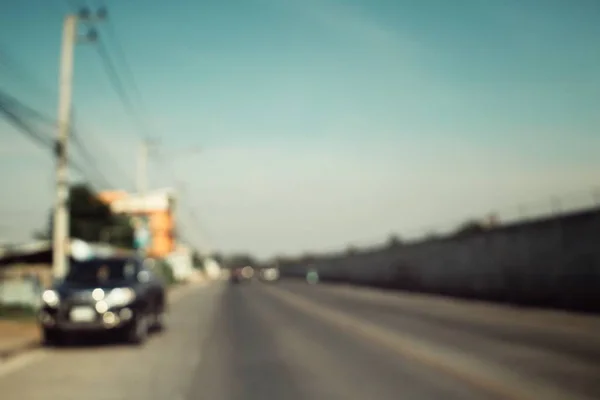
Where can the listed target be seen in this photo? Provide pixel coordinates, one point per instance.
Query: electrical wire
(127, 103)
(77, 139)
(19, 115)
(10, 103)
(121, 91)
(17, 121)
(108, 27)
(10, 64)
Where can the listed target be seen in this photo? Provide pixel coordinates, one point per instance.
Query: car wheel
(158, 321)
(138, 331)
(53, 338)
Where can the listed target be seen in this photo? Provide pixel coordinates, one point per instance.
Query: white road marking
(16, 363)
(485, 376)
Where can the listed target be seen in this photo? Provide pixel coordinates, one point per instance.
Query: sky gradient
(322, 123)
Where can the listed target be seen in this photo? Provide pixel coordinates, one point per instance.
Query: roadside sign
(142, 235)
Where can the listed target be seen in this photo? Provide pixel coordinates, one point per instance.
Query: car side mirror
(143, 276)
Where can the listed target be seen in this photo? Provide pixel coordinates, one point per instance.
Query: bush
(163, 269)
(17, 311)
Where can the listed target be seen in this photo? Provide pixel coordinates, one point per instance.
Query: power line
(13, 110)
(109, 28)
(17, 114)
(120, 89)
(121, 92)
(24, 127)
(116, 82)
(12, 65)
(23, 73)
(9, 100)
(89, 158)
(26, 110)
(78, 142)
(191, 211)
(46, 140)
(110, 69)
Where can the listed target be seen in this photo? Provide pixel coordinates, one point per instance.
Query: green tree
(91, 220)
(394, 241)
(163, 269)
(469, 228)
(219, 258)
(240, 261)
(119, 233)
(351, 250)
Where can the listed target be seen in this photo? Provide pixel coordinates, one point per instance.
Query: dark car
(243, 274)
(117, 295)
(235, 275)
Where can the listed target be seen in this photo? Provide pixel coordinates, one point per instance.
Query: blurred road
(293, 341)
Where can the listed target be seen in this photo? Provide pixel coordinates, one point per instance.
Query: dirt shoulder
(17, 336)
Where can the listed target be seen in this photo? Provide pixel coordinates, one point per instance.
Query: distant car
(235, 275)
(243, 274)
(116, 295)
(269, 274)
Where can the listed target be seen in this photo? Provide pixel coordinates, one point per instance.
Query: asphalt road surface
(294, 341)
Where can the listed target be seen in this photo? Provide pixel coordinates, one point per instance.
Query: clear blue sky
(323, 122)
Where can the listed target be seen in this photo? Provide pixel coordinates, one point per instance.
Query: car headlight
(51, 298)
(120, 297)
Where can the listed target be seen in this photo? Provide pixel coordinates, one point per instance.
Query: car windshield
(100, 271)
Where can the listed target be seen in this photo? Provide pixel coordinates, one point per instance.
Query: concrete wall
(551, 262)
(181, 264)
(20, 292)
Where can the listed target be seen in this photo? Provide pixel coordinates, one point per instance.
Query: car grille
(79, 297)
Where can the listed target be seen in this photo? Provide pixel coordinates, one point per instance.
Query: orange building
(157, 207)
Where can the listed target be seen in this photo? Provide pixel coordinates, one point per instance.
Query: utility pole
(60, 224)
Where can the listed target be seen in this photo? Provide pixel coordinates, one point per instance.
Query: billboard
(137, 204)
(153, 218)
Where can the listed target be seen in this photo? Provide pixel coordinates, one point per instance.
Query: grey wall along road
(549, 262)
(160, 370)
(295, 342)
